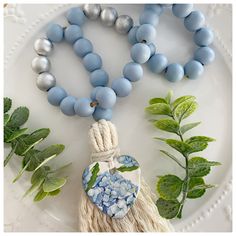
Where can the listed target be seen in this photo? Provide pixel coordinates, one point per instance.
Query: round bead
(101, 113)
(82, 47)
(73, 33)
(133, 71)
(152, 48)
(45, 81)
(67, 105)
(40, 64)
(140, 53)
(122, 87)
(193, 69)
(92, 61)
(99, 78)
(182, 10)
(56, 95)
(205, 55)
(92, 11)
(43, 47)
(94, 92)
(55, 33)
(75, 16)
(194, 21)
(123, 24)
(106, 97)
(157, 8)
(157, 63)
(83, 107)
(174, 72)
(132, 35)
(109, 16)
(203, 37)
(148, 17)
(146, 33)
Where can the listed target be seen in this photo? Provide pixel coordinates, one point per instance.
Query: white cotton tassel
(143, 215)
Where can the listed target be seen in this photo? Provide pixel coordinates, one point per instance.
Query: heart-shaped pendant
(113, 186)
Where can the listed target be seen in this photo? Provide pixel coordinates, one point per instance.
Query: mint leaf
(187, 127)
(180, 146)
(7, 104)
(159, 109)
(193, 183)
(199, 139)
(157, 100)
(168, 208)
(15, 134)
(93, 178)
(127, 168)
(19, 116)
(181, 100)
(167, 125)
(53, 183)
(197, 146)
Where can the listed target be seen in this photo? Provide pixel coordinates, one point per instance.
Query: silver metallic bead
(40, 64)
(45, 81)
(43, 46)
(92, 11)
(123, 24)
(109, 16)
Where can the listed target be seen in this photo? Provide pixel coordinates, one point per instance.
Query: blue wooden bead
(149, 17)
(99, 78)
(75, 16)
(152, 49)
(101, 113)
(205, 55)
(132, 35)
(56, 95)
(193, 69)
(82, 47)
(174, 72)
(73, 33)
(182, 10)
(194, 21)
(146, 33)
(157, 63)
(122, 87)
(140, 53)
(83, 107)
(157, 8)
(106, 97)
(203, 37)
(92, 61)
(67, 105)
(55, 33)
(133, 71)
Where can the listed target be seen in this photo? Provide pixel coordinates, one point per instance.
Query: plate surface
(213, 92)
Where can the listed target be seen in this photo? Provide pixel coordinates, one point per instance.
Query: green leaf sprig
(173, 190)
(44, 180)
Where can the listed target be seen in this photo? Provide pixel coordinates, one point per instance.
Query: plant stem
(9, 156)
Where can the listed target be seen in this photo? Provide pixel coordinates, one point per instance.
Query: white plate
(213, 92)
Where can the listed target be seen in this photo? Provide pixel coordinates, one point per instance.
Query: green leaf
(168, 208)
(173, 158)
(199, 139)
(181, 100)
(16, 134)
(169, 96)
(197, 146)
(180, 146)
(169, 187)
(54, 193)
(31, 160)
(37, 184)
(157, 100)
(93, 178)
(6, 118)
(127, 168)
(193, 183)
(19, 116)
(7, 104)
(8, 132)
(187, 127)
(167, 125)
(159, 109)
(40, 195)
(53, 183)
(39, 174)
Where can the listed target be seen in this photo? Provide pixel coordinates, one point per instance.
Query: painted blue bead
(101, 113)
(133, 71)
(99, 78)
(157, 63)
(83, 107)
(203, 37)
(92, 61)
(73, 33)
(132, 35)
(76, 16)
(55, 33)
(67, 105)
(140, 53)
(182, 10)
(146, 33)
(193, 69)
(194, 21)
(122, 87)
(152, 49)
(174, 72)
(205, 55)
(56, 95)
(82, 47)
(149, 17)
(106, 97)
(157, 8)
(94, 92)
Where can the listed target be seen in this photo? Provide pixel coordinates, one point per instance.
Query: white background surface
(213, 91)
